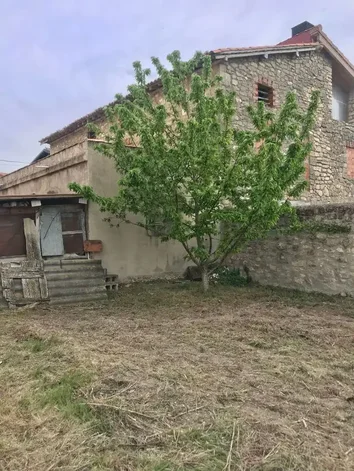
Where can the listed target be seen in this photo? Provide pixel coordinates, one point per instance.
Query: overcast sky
(61, 59)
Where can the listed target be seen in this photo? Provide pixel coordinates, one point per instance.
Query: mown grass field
(165, 378)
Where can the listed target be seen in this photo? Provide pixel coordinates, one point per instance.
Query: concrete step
(76, 290)
(71, 264)
(73, 268)
(74, 275)
(79, 298)
(71, 261)
(75, 282)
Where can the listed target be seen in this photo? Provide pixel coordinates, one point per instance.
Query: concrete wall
(50, 175)
(312, 262)
(128, 250)
(70, 140)
(329, 180)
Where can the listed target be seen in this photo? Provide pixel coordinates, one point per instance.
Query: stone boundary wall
(321, 262)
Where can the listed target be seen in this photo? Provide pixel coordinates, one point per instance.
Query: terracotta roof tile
(307, 36)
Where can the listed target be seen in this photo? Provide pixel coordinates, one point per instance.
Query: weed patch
(63, 395)
(35, 344)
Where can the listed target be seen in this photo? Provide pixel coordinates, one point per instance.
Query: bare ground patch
(163, 378)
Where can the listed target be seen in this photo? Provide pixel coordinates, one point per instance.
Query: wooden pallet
(111, 282)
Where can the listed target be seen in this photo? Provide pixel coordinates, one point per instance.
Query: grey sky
(62, 59)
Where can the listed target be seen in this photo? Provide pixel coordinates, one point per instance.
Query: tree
(193, 177)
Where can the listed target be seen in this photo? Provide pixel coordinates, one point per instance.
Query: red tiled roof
(305, 37)
(2, 174)
(316, 35)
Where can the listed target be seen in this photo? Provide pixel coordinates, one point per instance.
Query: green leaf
(193, 177)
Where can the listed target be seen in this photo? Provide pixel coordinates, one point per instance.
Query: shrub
(229, 276)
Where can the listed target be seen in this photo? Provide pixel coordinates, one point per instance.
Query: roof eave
(335, 53)
(264, 52)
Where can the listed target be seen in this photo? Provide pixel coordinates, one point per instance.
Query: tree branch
(189, 252)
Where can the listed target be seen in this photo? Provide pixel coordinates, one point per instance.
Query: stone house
(307, 61)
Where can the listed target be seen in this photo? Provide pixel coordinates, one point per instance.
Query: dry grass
(163, 378)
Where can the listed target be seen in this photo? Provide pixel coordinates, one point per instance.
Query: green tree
(193, 177)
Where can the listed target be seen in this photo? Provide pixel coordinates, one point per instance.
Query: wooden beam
(33, 249)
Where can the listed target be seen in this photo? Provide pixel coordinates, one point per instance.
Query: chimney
(301, 27)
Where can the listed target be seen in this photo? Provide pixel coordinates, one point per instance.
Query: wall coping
(34, 171)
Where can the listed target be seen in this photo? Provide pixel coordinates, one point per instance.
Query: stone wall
(328, 177)
(320, 262)
(69, 140)
(351, 108)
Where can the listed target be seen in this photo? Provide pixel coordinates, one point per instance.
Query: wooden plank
(12, 239)
(32, 265)
(31, 288)
(73, 243)
(25, 210)
(24, 282)
(15, 303)
(6, 282)
(7, 293)
(43, 288)
(33, 248)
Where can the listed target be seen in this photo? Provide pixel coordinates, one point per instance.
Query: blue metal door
(51, 231)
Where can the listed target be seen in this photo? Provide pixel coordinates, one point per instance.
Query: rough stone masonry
(317, 261)
(330, 177)
(313, 262)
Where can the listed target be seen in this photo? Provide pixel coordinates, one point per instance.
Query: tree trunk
(205, 278)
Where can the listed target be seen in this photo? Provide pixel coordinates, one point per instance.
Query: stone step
(79, 298)
(74, 275)
(73, 268)
(76, 290)
(77, 264)
(75, 282)
(71, 261)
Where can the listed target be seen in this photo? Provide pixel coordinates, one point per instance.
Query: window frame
(264, 85)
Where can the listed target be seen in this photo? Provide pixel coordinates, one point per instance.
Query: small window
(340, 99)
(91, 135)
(265, 94)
